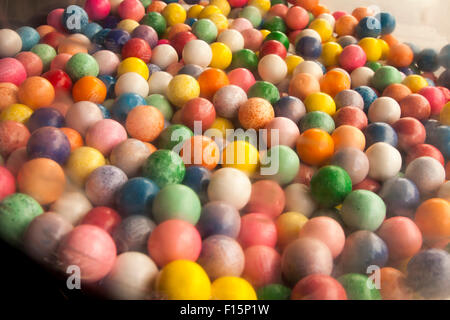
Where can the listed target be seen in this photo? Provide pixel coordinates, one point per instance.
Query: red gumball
(352, 57)
(446, 93)
(297, 18)
(242, 78)
(138, 48)
(7, 183)
(318, 287)
(262, 266)
(180, 39)
(174, 240)
(273, 47)
(368, 184)
(424, 150)
(351, 116)
(103, 217)
(410, 132)
(59, 79)
(53, 39)
(415, 106)
(237, 3)
(257, 229)
(198, 109)
(267, 197)
(402, 237)
(435, 97)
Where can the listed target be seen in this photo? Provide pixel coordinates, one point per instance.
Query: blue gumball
(427, 60)
(442, 140)
(116, 39)
(380, 132)
(309, 48)
(105, 112)
(110, 83)
(197, 178)
(430, 128)
(368, 94)
(136, 197)
(152, 68)
(219, 218)
(387, 22)
(91, 29)
(190, 21)
(401, 197)
(45, 117)
(30, 37)
(368, 27)
(74, 18)
(428, 273)
(124, 104)
(49, 142)
(99, 37)
(363, 249)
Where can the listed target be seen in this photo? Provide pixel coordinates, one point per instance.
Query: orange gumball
(334, 81)
(393, 285)
(89, 89)
(400, 55)
(43, 179)
(319, 9)
(390, 39)
(156, 6)
(307, 4)
(144, 123)
(36, 92)
(8, 94)
(397, 91)
(75, 139)
(302, 85)
(179, 27)
(200, 151)
(362, 12)
(433, 219)
(315, 147)
(347, 136)
(210, 81)
(345, 25)
(44, 30)
(255, 113)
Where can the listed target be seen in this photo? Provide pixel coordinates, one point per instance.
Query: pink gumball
(352, 57)
(241, 24)
(97, 9)
(12, 70)
(59, 62)
(281, 131)
(252, 39)
(241, 77)
(82, 115)
(54, 19)
(262, 266)
(326, 229)
(104, 135)
(91, 249)
(131, 9)
(257, 229)
(435, 97)
(7, 183)
(32, 63)
(107, 61)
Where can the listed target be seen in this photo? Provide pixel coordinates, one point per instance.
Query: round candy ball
(82, 161)
(315, 146)
(363, 210)
(38, 145)
(136, 196)
(232, 288)
(104, 135)
(144, 123)
(427, 173)
(267, 197)
(384, 161)
(103, 183)
(330, 185)
(120, 158)
(353, 161)
(356, 287)
(197, 52)
(318, 287)
(262, 266)
(164, 167)
(384, 109)
(11, 43)
(257, 229)
(7, 183)
(431, 217)
(227, 101)
(290, 107)
(103, 217)
(401, 196)
(132, 234)
(219, 218)
(230, 185)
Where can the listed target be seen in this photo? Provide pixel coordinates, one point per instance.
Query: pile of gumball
(116, 157)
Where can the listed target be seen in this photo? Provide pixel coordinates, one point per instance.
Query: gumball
(144, 123)
(45, 117)
(286, 132)
(299, 199)
(82, 115)
(32, 63)
(334, 81)
(352, 57)
(440, 139)
(415, 82)
(16, 112)
(107, 62)
(257, 229)
(210, 81)
(253, 39)
(38, 146)
(410, 132)
(361, 76)
(200, 150)
(304, 257)
(103, 217)
(354, 162)
(132, 233)
(380, 132)
(13, 135)
(290, 107)
(368, 27)
(427, 273)
(11, 43)
(131, 9)
(97, 9)
(255, 113)
(272, 68)
(95, 262)
(221, 256)
(60, 80)
(322, 181)
(273, 47)
(384, 161)
(351, 116)
(158, 82)
(346, 25)
(124, 104)
(309, 48)
(363, 210)
(318, 287)
(230, 185)
(228, 99)
(288, 226)
(280, 163)
(183, 88)
(368, 184)
(397, 91)
(267, 197)
(164, 167)
(146, 33)
(435, 97)
(8, 94)
(131, 82)
(431, 218)
(76, 13)
(136, 196)
(103, 183)
(317, 120)
(315, 146)
(262, 266)
(16, 159)
(156, 21)
(233, 39)
(393, 285)
(81, 65)
(356, 287)
(8, 183)
(241, 155)
(427, 173)
(310, 67)
(427, 60)
(168, 139)
(179, 40)
(415, 106)
(401, 196)
(244, 58)
(43, 234)
(400, 55)
(265, 90)
(198, 110)
(319, 101)
(36, 92)
(219, 218)
(183, 279)
(89, 89)
(232, 288)
(384, 109)
(421, 150)
(368, 95)
(82, 162)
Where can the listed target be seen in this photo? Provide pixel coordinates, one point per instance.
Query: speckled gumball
(164, 167)
(103, 183)
(255, 113)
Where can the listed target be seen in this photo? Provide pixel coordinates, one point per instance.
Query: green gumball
(164, 167)
(330, 185)
(363, 210)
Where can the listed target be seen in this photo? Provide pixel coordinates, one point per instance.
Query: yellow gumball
(16, 112)
(319, 101)
(194, 11)
(445, 115)
(241, 155)
(288, 226)
(372, 48)
(133, 64)
(174, 13)
(415, 82)
(330, 53)
(292, 61)
(82, 161)
(220, 125)
(384, 49)
(181, 89)
(262, 5)
(323, 28)
(232, 288)
(221, 56)
(183, 280)
(264, 32)
(219, 20)
(128, 25)
(209, 10)
(223, 5)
